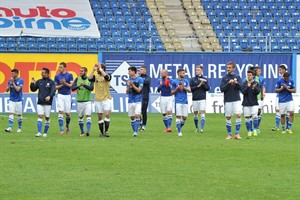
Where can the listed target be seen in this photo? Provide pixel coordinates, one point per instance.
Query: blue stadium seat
(60, 41)
(237, 48)
(32, 47)
(42, 47)
(22, 47)
(40, 40)
(3, 47)
(11, 47)
(257, 49)
(80, 41)
(111, 47)
(72, 47)
(285, 49)
(90, 41)
(92, 47)
(101, 47)
(295, 49)
(62, 47)
(70, 41)
(82, 47)
(10, 40)
(50, 40)
(52, 47)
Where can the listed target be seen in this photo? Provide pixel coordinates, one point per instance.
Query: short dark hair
(84, 69)
(46, 70)
(63, 64)
(231, 63)
(103, 66)
(282, 67)
(15, 71)
(180, 70)
(199, 66)
(252, 68)
(251, 71)
(144, 67)
(132, 68)
(286, 75)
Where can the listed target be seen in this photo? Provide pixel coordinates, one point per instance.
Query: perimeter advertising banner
(47, 18)
(214, 66)
(30, 65)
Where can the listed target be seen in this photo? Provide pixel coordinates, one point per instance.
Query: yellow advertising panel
(30, 65)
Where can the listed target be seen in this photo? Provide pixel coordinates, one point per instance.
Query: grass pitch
(154, 165)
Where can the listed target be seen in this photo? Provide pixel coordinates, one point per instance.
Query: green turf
(155, 165)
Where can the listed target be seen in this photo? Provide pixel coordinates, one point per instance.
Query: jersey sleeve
(56, 81)
(21, 83)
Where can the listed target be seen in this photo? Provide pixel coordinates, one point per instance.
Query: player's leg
(259, 114)
(196, 108)
(290, 110)
(277, 116)
(19, 110)
(255, 119)
(60, 102)
(106, 108)
(248, 120)
(163, 111)
(80, 111)
(169, 109)
(137, 113)
(282, 112)
(178, 113)
(237, 109)
(202, 114)
(88, 113)
(131, 115)
(99, 111)
(228, 113)
(11, 108)
(41, 112)
(144, 114)
(47, 119)
(68, 106)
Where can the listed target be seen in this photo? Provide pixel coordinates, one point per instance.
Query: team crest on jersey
(48, 85)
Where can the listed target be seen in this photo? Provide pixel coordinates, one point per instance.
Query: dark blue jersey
(133, 96)
(285, 95)
(68, 78)
(14, 95)
(199, 93)
(146, 86)
(250, 93)
(165, 88)
(46, 87)
(180, 95)
(231, 92)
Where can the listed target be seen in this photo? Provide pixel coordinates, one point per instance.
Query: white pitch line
(7, 116)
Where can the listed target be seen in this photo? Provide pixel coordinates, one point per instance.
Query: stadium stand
(181, 25)
(124, 26)
(256, 25)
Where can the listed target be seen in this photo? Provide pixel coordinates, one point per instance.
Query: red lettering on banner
(40, 11)
(6, 70)
(32, 12)
(25, 68)
(43, 11)
(57, 13)
(7, 11)
(50, 65)
(73, 67)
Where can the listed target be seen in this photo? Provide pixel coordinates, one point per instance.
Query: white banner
(47, 18)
